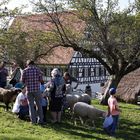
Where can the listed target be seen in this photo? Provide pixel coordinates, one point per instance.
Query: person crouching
(21, 107)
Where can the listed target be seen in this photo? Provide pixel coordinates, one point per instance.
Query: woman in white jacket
(21, 107)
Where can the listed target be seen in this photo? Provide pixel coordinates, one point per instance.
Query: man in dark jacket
(3, 75)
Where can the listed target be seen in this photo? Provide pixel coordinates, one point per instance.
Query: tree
(15, 43)
(6, 16)
(138, 5)
(114, 33)
(111, 35)
(23, 45)
(3, 14)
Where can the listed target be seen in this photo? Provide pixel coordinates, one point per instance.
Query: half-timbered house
(86, 70)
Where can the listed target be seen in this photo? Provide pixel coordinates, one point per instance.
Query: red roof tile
(59, 55)
(43, 22)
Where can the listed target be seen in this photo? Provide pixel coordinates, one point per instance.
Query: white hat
(55, 72)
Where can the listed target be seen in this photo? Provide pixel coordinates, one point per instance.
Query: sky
(17, 3)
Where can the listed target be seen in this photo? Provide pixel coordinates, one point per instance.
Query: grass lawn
(12, 128)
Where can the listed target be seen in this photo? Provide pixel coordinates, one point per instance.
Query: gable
(42, 22)
(59, 55)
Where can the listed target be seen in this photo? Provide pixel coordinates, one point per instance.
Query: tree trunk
(113, 82)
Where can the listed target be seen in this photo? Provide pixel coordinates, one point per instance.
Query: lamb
(8, 95)
(88, 112)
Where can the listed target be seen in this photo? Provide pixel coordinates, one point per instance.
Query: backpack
(58, 89)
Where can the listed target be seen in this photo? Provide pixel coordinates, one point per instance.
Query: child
(44, 102)
(21, 107)
(113, 110)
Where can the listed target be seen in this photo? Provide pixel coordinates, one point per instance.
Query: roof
(60, 55)
(43, 22)
(129, 87)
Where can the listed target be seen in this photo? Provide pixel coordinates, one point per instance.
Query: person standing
(114, 111)
(44, 101)
(16, 74)
(69, 79)
(32, 77)
(3, 75)
(56, 89)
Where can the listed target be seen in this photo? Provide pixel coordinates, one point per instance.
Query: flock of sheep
(77, 102)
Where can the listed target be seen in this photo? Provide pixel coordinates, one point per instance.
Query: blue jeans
(44, 108)
(111, 129)
(35, 96)
(23, 111)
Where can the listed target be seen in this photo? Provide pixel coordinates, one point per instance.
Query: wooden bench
(138, 100)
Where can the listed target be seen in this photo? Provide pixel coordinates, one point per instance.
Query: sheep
(73, 97)
(85, 98)
(88, 112)
(71, 100)
(8, 95)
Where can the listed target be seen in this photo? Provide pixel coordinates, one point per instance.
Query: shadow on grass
(3, 137)
(129, 108)
(67, 128)
(79, 131)
(129, 130)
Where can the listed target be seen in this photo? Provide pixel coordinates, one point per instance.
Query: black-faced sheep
(8, 95)
(87, 112)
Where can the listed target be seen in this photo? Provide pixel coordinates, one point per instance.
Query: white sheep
(74, 96)
(71, 100)
(85, 98)
(88, 112)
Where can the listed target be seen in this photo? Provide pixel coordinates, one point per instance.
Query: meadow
(12, 128)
